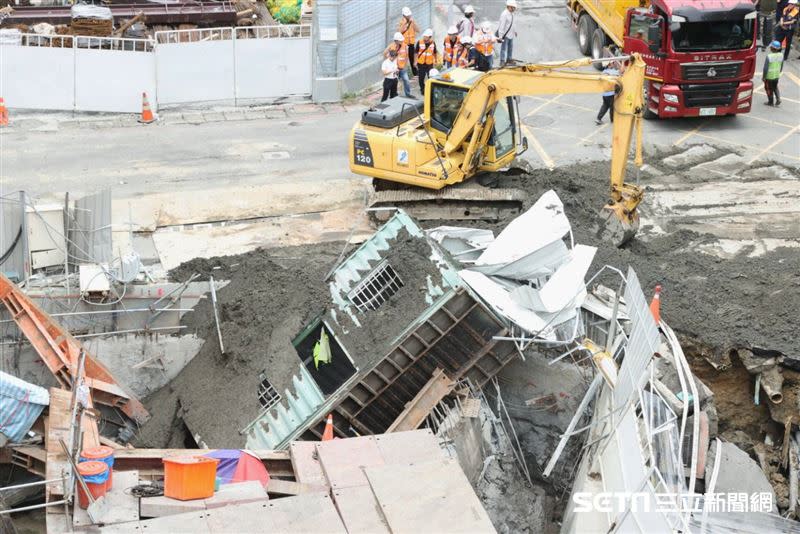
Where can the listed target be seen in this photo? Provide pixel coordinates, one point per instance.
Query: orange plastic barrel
(89, 471)
(100, 454)
(189, 477)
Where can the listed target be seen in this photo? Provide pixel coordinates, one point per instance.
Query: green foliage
(285, 11)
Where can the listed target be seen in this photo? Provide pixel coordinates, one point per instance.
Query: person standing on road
(466, 26)
(786, 26)
(608, 97)
(506, 31)
(426, 57)
(484, 44)
(402, 60)
(389, 68)
(773, 64)
(451, 43)
(408, 27)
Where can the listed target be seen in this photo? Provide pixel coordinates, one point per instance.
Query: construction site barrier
(109, 74)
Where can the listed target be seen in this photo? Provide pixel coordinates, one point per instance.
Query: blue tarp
(20, 404)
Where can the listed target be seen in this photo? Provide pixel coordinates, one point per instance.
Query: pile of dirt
(272, 294)
(738, 302)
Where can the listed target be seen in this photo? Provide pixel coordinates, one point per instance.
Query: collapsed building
(409, 330)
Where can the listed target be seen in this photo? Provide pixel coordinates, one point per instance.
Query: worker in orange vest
(426, 56)
(398, 45)
(408, 27)
(484, 43)
(451, 43)
(786, 26)
(464, 56)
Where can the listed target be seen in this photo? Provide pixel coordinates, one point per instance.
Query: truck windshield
(716, 35)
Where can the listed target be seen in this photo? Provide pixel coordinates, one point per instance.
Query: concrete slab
(738, 473)
(691, 156)
(307, 468)
(343, 460)
(359, 510)
(428, 497)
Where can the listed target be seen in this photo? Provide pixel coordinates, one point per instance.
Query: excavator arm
(474, 123)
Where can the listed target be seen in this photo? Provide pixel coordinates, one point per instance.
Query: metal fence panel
(125, 75)
(268, 68)
(200, 71)
(643, 343)
(12, 255)
(90, 229)
(37, 77)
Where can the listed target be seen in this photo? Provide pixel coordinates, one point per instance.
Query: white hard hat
(398, 36)
(511, 3)
(469, 9)
(406, 12)
(433, 73)
(792, 1)
(428, 33)
(466, 40)
(486, 26)
(452, 30)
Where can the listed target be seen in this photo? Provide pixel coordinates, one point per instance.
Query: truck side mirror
(654, 37)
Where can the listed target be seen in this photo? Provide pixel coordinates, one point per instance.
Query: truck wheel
(599, 42)
(647, 113)
(586, 27)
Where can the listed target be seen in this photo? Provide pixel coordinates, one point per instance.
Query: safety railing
(292, 31)
(78, 41)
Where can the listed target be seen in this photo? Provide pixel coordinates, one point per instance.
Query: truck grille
(711, 71)
(708, 95)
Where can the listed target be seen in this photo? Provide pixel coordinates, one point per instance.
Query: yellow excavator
(419, 153)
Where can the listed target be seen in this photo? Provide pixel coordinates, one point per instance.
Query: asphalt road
(47, 155)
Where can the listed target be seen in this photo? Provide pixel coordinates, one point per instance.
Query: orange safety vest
(402, 54)
(450, 47)
(461, 57)
(406, 27)
(790, 13)
(427, 52)
(485, 44)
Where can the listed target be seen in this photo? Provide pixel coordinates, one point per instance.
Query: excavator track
(459, 202)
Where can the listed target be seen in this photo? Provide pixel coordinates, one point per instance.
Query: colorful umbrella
(238, 466)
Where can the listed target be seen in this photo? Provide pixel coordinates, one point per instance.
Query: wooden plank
(409, 447)
(343, 460)
(428, 497)
(307, 469)
(277, 486)
(161, 506)
(423, 402)
(237, 493)
(359, 510)
(122, 506)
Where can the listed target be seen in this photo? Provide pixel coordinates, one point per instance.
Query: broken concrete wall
(142, 363)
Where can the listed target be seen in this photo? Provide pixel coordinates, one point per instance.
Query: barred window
(267, 395)
(376, 288)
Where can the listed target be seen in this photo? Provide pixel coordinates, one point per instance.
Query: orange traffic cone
(655, 305)
(147, 113)
(327, 435)
(3, 113)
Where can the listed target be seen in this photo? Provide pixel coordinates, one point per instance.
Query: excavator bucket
(616, 226)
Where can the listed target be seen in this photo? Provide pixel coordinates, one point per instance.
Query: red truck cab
(700, 56)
